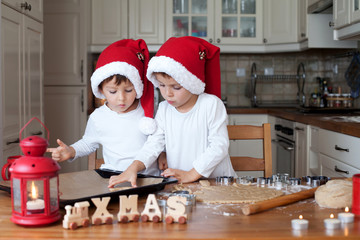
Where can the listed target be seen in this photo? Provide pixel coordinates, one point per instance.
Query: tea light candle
(332, 223)
(299, 224)
(37, 204)
(346, 217)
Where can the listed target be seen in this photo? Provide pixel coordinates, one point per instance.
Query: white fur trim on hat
(177, 71)
(147, 125)
(110, 69)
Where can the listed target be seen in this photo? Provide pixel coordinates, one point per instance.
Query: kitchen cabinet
(118, 19)
(339, 154)
(301, 151)
(346, 19)
(313, 162)
(219, 22)
(30, 8)
(21, 78)
(284, 21)
(251, 148)
(67, 120)
(65, 72)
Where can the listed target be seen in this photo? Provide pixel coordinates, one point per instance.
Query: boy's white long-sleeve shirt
(197, 139)
(119, 136)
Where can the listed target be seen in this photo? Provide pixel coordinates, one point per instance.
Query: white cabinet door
(66, 116)
(355, 11)
(33, 90)
(280, 21)
(11, 75)
(314, 163)
(109, 21)
(341, 13)
(331, 167)
(301, 151)
(147, 20)
(31, 8)
(65, 42)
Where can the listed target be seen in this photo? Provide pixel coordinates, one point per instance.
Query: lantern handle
(29, 123)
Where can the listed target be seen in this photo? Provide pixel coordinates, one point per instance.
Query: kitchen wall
(328, 63)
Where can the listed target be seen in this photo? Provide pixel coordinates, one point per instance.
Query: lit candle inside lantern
(299, 224)
(35, 203)
(332, 223)
(346, 217)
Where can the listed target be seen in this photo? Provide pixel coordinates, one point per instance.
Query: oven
(285, 146)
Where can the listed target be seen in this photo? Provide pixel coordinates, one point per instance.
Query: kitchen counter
(207, 221)
(325, 121)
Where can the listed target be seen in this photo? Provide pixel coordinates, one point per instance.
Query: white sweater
(196, 139)
(119, 135)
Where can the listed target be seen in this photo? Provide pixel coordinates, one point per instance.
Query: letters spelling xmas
(128, 210)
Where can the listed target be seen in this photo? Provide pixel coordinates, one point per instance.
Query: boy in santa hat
(192, 121)
(122, 124)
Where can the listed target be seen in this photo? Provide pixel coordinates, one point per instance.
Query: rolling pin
(277, 202)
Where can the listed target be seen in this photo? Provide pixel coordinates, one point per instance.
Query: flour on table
(235, 193)
(334, 194)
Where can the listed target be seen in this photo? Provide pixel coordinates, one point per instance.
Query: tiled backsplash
(324, 63)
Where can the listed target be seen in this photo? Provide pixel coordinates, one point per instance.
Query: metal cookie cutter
(224, 180)
(190, 199)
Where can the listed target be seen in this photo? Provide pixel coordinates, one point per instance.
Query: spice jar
(337, 101)
(330, 100)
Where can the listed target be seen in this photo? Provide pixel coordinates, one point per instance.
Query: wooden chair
(94, 162)
(248, 132)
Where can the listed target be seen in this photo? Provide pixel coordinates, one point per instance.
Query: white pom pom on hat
(129, 58)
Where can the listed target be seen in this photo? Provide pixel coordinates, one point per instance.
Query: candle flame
(34, 191)
(331, 215)
(347, 209)
(301, 217)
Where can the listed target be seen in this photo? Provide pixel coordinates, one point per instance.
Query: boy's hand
(129, 175)
(182, 176)
(62, 152)
(162, 162)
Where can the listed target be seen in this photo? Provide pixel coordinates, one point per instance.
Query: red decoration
(34, 183)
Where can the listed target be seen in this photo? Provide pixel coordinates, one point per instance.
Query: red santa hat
(192, 62)
(129, 58)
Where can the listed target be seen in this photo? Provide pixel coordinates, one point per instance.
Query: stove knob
(278, 127)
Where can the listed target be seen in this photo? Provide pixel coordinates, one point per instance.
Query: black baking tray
(85, 186)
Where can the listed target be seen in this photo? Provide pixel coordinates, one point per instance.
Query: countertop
(332, 122)
(206, 221)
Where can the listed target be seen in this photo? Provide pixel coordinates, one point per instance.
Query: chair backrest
(94, 162)
(248, 132)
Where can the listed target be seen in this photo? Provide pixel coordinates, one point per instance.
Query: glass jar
(330, 100)
(337, 101)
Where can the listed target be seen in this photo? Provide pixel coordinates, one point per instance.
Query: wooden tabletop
(206, 221)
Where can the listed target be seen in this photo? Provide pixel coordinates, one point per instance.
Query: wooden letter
(151, 211)
(101, 215)
(128, 209)
(176, 210)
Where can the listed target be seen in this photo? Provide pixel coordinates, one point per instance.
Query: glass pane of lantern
(16, 195)
(35, 196)
(54, 204)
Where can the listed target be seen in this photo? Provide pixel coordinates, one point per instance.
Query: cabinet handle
(11, 142)
(339, 170)
(303, 35)
(265, 40)
(331, 24)
(299, 129)
(210, 40)
(26, 6)
(218, 40)
(341, 149)
(82, 100)
(82, 70)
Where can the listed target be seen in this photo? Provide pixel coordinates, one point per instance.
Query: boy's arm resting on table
(182, 176)
(129, 175)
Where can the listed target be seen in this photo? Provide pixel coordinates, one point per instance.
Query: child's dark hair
(118, 80)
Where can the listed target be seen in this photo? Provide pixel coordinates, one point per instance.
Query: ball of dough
(334, 194)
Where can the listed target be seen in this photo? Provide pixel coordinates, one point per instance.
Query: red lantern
(34, 183)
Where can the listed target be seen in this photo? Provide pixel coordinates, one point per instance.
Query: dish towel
(352, 75)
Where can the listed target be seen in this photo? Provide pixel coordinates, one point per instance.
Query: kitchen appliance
(285, 146)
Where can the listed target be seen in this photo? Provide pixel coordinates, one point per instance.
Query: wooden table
(206, 222)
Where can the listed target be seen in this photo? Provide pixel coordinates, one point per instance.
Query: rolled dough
(236, 193)
(334, 194)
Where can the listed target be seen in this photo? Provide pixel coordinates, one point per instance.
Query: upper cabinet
(31, 8)
(346, 19)
(219, 22)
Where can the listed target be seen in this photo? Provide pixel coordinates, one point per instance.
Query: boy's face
(120, 98)
(175, 94)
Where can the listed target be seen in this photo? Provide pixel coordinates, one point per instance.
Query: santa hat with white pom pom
(129, 58)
